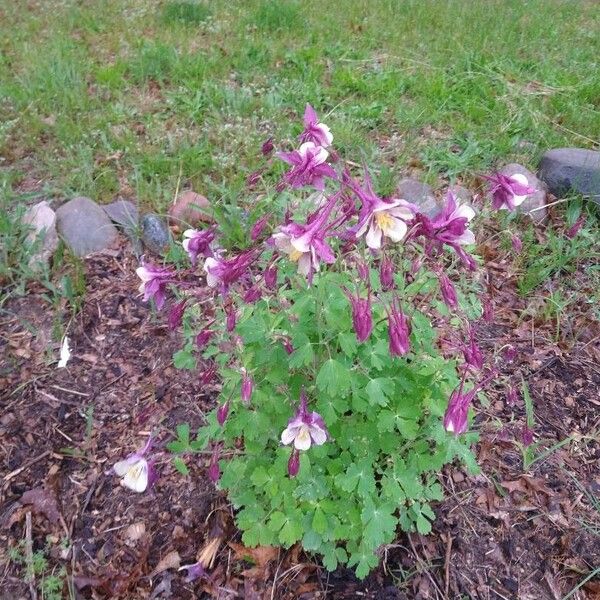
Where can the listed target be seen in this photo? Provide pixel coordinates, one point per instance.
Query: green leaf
(379, 521)
(290, 533)
(319, 522)
(180, 465)
(423, 525)
(184, 359)
(379, 390)
(333, 378)
(302, 356)
(358, 475)
(348, 344)
(183, 433)
(364, 560)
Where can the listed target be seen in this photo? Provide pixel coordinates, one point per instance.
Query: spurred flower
(294, 463)
(305, 428)
(208, 375)
(377, 217)
(363, 271)
(197, 243)
(309, 166)
(450, 225)
(231, 319)
(508, 192)
(305, 244)
(314, 131)
(222, 413)
(398, 330)
(221, 272)
(247, 387)
(362, 317)
(135, 471)
(154, 282)
(252, 294)
(448, 291)
(176, 314)
(455, 419)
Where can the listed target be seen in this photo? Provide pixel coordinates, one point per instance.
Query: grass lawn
(138, 97)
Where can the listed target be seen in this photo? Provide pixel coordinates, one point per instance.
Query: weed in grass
(274, 15)
(185, 13)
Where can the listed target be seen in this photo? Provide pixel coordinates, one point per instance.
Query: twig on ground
(30, 576)
(424, 566)
(28, 464)
(449, 541)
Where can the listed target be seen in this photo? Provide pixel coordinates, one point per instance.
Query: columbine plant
(336, 409)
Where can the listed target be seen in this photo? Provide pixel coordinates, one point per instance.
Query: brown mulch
(507, 533)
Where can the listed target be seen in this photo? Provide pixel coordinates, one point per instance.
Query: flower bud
(386, 274)
(252, 295)
(258, 228)
(271, 277)
(176, 315)
(294, 463)
(575, 228)
(230, 321)
(267, 147)
(448, 291)
(247, 388)
(204, 337)
(222, 413)
(517, 244)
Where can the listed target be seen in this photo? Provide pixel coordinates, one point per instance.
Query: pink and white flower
(314, 131)
(305, 428)
(154, 282)
(309, 166)
(305, 244)
(135, 471)
(509, 191)
(197, 242)
(380, 218)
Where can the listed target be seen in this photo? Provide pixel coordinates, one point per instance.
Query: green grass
(189, 89)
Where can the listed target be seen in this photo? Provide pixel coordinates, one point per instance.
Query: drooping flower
(175, 317)
(247, 387)
(512, 395)
(305, 428)
(527, 435)
(363, 271)
(379, 218)
(214, 471)
(305, 244)
(267, 147)
(309, 166)
(204, 336)
(208, 375)
(259, 227)
(294, 463)
(517, 244)
(222, 413)
(154, 282)
(575, 228)
(455, 418)
(252, 294)
(270, 277)
(386, 273)
(135, 471)
(509, 191)
(221, 272)
(197, 243)
(314, 131)
(448, 291)
(362, 317)
(450, 225)
(472, 352)
(398, 330)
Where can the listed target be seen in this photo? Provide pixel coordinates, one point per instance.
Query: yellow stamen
(384, 220)
(295, 255)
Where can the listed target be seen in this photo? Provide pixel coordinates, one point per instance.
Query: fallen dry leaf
(44, 502)
(171, 561)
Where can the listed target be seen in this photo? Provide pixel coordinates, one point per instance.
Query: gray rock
(572, 170)
(84, 226)
(42, 219)
(123, 212)
(534, 205)
(420, 194)
(155, 233)
(463, 195)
